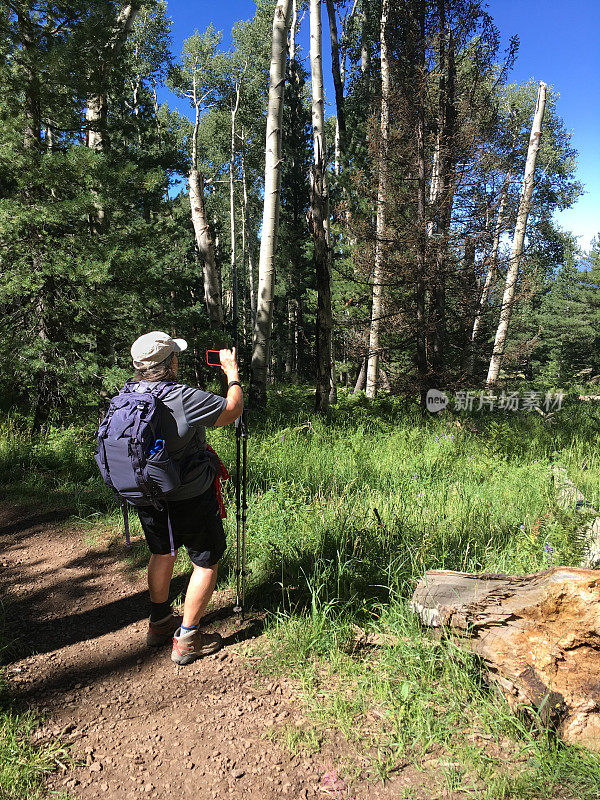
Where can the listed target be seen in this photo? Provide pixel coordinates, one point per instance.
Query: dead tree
(519, 237)
(538, 635)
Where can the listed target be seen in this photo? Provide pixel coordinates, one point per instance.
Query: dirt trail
(143, 727)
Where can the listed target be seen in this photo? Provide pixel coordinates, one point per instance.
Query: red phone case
(213, 363)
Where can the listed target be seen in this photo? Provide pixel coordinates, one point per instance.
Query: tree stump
(538, 635)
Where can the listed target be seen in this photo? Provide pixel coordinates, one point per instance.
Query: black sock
(159, 611)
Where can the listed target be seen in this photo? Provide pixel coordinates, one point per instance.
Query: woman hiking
(191, 516)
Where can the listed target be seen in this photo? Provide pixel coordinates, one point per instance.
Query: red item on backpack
(222, 475)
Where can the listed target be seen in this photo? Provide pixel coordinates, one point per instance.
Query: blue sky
(559, 44)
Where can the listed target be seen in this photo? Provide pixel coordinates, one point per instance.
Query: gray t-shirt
(188, 412)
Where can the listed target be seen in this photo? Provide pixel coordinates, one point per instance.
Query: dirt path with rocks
(139, 726)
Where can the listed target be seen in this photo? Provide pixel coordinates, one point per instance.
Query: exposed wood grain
(538, 635)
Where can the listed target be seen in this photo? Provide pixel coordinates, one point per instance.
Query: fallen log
(538, 635)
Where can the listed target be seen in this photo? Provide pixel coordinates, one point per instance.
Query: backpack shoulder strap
(163, 388)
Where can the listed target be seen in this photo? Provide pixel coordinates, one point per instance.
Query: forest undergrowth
(345, 514)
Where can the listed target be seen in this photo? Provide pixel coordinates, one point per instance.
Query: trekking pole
(241, 436)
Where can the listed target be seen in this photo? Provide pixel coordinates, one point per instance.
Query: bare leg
(160, 571)
(199, 591)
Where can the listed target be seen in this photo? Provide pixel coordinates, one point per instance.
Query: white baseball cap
(153, 348)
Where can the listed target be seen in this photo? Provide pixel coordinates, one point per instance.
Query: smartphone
(210, 363)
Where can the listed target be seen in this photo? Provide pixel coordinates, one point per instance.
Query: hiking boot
(188, 648)
(161, 632)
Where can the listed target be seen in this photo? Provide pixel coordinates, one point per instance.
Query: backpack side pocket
(162, 471)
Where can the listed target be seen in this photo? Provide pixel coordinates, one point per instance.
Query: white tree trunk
(204, 238)
(320, 213)
(96, 109)
(377, 306)
(434, 183)
(318, 101)
(364, 49)
(250, 245)
(294, 26)
(234, 275)
(490, 274)
(517, 246)
(261, 339)
(204, 241)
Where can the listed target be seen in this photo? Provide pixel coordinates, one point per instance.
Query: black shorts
(195, 523)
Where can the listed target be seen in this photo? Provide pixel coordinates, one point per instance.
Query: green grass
(345, 513)
(423, 702)
(24, 762)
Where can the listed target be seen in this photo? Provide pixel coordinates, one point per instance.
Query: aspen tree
(518, 239)
(261, 340)
(234, 273)
(382, 190)
(248, 228)
(492, 265)
(194, 79)
(97, 103)
(319, 214)
(202, 231)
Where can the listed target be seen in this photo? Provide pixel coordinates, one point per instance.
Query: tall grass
(364, 502)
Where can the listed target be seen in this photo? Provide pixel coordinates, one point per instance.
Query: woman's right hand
(229, 364)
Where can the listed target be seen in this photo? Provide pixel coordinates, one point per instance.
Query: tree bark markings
(518, 239)
(261, 339)
(380, 225)
(319, 214)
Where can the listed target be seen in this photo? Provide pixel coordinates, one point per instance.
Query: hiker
(192, 514)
